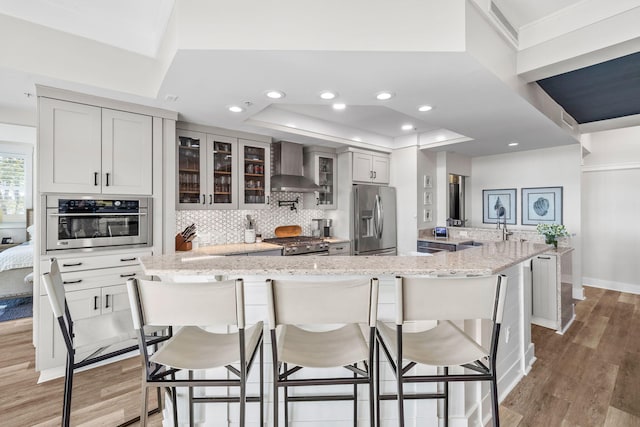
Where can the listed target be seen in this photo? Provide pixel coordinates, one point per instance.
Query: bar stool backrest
(301, 302)
(450, 298)
(186, 304)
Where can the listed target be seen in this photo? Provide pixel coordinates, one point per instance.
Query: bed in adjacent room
(16, 263)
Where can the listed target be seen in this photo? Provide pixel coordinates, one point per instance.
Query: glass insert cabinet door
(222, 174)
(190, 164)
(255, 176)
(326, 180)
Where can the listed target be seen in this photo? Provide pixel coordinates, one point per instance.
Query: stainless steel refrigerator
(374, 220)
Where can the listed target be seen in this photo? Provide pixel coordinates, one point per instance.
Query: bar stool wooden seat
(300, 313)
(445, 300)
(189, 308)
(83, 348)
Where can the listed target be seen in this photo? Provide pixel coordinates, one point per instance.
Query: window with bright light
(13, 188)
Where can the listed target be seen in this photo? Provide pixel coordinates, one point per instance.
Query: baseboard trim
(630, 288)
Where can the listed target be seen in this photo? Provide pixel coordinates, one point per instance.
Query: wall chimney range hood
(288, 165)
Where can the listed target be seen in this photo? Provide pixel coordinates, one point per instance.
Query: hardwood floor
(103, 396)
(588, 377)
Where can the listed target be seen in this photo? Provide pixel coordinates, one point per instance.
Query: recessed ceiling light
(236, 109)
(339, 106)
(275, 94)
(513, 144)
(290, 125)
(440, 138)
(357, 139)
(327, 94)
(424, 108)
(383, 96)
(407, 126)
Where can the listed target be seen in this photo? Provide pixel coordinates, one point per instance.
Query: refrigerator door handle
(380, 217)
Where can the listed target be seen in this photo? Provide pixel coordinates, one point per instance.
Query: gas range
(301, 245)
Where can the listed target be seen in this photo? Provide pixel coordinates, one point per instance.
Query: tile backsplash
(227, 226)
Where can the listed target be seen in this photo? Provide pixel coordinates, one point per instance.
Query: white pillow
(31, 230)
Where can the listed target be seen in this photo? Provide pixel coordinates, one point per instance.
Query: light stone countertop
(449, 240)
(490, 258)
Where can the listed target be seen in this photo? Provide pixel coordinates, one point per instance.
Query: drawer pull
(71, 282)
(75, 264)
(106, 305)
(95, 303)
(128, 259)
(128, 275)
(544, 257)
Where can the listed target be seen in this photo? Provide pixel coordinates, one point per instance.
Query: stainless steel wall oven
(92, 222)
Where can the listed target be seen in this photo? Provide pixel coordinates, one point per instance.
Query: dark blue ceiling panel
(599, 92)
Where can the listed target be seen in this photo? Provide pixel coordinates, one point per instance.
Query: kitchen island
(469, 404)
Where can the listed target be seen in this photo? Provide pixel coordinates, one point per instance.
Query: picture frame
(499, 204)
(541, 205)
(427, 183)
(428, 198)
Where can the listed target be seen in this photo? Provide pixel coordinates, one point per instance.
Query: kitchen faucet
(505, 233)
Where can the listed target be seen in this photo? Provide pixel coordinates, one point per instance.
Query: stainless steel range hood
(288, 166)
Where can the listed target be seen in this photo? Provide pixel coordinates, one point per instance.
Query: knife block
(181, 245)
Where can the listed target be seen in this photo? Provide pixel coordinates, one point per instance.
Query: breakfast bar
(469, 404)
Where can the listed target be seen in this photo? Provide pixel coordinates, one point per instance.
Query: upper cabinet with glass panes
(221, 172)
(320, 166)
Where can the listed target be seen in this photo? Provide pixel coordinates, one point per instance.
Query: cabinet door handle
(106, 299)
(210, 199)
(95, 178)
(544, 257)
(128, 259)
(95, 302)
(268, 199)
(203, 199)
(370, 174)
(108, 178)
(128, 275)
(375, 174)
(71, 282)
(74, 264)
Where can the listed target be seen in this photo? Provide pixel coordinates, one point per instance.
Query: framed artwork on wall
(498, 205)
(542, 205)
(428, 198)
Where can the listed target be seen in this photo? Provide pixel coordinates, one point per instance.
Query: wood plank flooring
(589, 377)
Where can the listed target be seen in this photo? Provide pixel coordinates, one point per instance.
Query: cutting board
(288, 231)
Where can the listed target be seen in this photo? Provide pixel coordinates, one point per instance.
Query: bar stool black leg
(446, 398)
(191, 411)
(286, 400)
(68, 387)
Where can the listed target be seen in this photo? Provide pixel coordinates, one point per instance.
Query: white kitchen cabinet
(221, 172)
(207, 171)
(370, 167)
(93, 150)
(127, 147)
(551, 287)
(70, 147)
(321, 168)
(255, 177)
(95, 290)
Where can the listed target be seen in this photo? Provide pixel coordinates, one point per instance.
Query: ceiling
(474, 112)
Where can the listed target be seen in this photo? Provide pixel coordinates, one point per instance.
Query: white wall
(610, 206)
(404, 170)
(551, 167)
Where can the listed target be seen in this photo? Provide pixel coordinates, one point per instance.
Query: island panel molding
(541, 205)
(499, 204)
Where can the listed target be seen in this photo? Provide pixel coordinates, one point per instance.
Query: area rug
(16, 308)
